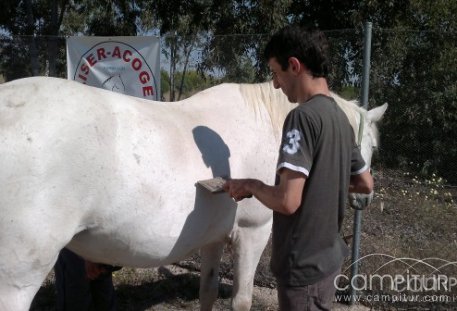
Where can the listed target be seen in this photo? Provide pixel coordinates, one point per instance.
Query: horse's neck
(278, 106)
(352, 111)
(264, 95)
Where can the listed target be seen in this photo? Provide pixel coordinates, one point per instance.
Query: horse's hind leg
(249, 244)
(209, 277)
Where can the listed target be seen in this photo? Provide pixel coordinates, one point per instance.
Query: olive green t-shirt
(317, 141)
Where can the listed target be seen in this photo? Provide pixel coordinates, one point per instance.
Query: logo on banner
(117, 67)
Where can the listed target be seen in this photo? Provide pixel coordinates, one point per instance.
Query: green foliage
(32, 42)
(193, 82)
(349, 92)
(415, 71)
(164, 83)
(239, 31)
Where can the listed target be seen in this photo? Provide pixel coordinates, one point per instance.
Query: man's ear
(294, 64)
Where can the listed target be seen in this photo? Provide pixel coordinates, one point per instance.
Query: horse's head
(363, 123)
(369, 131)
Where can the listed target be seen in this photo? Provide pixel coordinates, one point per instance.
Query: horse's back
(98, 163)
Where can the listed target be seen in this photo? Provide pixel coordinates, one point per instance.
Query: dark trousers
(314, 297)
(75, 292)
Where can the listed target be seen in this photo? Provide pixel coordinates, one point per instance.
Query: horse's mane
(277, 104)
(352, 110)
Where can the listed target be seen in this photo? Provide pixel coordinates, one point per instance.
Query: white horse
(112, 177)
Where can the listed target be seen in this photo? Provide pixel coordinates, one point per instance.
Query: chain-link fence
(415, 72)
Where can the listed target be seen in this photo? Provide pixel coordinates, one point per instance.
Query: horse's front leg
(209, 277)
(249, 243)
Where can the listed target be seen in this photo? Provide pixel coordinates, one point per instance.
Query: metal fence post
(358, 213)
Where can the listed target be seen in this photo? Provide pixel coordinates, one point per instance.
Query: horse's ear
(376, 114)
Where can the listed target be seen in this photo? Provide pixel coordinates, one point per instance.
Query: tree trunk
(173, 60)
(52, 44)
(32, 43)
(187, 52)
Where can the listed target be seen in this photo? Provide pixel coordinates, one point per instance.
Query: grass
(411, 226)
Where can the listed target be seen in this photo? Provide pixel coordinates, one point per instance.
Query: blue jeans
(75, 292)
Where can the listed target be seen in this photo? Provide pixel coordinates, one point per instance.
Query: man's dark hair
(309, 46)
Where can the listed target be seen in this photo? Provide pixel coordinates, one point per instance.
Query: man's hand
(238, 189)
(360, 201)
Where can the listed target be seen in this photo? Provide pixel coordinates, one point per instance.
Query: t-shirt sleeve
(358, 165)
(297, 144)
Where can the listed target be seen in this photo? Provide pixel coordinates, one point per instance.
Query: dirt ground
(171, 287)
(411, 217)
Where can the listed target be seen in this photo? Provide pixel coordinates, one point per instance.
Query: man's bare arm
(284, 198)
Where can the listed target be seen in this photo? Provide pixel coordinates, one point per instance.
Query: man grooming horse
(318, 163)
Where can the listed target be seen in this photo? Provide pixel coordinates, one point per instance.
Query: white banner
(128, 65)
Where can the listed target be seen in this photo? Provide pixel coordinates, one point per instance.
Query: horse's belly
(166, 231)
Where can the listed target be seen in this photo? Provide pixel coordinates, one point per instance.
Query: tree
(26, 23)
(419, 78)
(413, 67)
(40, 25)
(182, 25)
(238, 32)
(102, 18)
